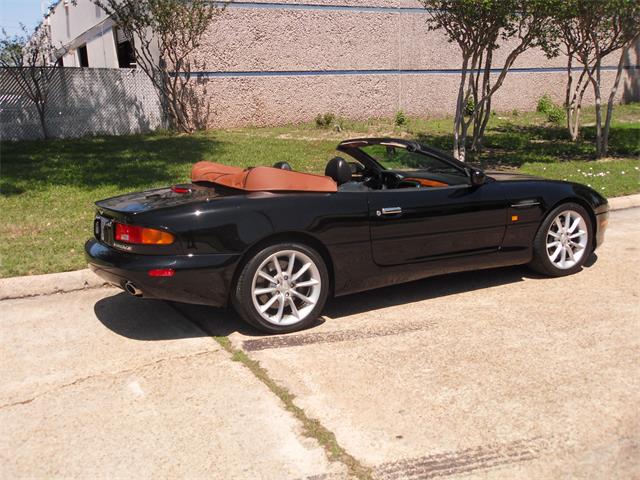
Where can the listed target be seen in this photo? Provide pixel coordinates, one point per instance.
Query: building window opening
(126, 51)
(83, 56)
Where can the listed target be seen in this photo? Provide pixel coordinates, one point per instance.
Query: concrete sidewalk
(97, 384)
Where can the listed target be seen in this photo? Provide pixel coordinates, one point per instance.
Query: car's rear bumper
(201, 279)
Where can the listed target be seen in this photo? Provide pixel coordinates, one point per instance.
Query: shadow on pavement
(146, 319)
(142, 319)
(420, 290)
(432, 287)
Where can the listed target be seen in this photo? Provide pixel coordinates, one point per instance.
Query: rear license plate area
(103, 229)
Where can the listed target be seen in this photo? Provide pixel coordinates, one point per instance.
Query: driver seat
(338, 169)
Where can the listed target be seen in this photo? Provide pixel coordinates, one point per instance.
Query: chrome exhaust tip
(131, 289)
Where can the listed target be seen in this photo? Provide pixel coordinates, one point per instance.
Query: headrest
(338, 169)
(282, 166)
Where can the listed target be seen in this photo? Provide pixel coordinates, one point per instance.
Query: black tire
(541, 262)
(242, 296)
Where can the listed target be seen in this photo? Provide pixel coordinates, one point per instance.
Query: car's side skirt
(374, 276)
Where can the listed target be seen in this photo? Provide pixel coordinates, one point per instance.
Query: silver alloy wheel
(567, 239)
(286, 287)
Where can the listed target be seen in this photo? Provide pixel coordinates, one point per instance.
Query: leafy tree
(590, 30)
(29, 60)
(479, 28)
(165, 33)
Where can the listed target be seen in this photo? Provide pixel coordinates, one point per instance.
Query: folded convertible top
(261, 179)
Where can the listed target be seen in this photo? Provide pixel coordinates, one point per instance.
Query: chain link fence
(82, 102)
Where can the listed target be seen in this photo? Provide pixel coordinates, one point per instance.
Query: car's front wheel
(563, 242)
(283, 288)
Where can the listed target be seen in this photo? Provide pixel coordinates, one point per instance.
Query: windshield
(397, 157)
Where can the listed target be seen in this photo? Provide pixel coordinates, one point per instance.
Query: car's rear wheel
(563, 242)
(283, 288)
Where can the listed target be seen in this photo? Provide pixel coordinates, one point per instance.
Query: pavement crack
(53, 292)
(102, 375)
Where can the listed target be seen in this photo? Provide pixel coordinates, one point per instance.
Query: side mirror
(478, 177)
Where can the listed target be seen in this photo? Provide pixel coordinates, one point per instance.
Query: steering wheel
(372, 178)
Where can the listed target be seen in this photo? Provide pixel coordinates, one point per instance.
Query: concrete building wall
(84, 24)
(101, 49)
(281, 61)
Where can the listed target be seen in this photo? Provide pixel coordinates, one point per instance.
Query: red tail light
(162, 272)
(180, 189)
(141, 235)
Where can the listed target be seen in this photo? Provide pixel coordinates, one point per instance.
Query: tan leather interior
(209, 171)
(261, 179)
(425, 182)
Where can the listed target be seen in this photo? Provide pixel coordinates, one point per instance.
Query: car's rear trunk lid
(138, 202)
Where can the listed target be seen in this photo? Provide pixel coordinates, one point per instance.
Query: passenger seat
(340, 170)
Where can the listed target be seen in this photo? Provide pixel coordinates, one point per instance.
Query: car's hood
(502, 176)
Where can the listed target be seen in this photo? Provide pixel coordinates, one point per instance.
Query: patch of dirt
(13, 231)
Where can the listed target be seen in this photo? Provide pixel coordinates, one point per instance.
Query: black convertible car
(275, 243)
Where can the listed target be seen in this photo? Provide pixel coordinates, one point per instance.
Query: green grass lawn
(48, 188)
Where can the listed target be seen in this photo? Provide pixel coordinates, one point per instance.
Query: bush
(545, 104)
(555, 113)
(326, 120)
(400, 118)
(470, 107)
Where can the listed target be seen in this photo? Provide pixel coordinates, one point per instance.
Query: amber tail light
(141, 235)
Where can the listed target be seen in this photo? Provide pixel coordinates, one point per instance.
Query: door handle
(389, 211)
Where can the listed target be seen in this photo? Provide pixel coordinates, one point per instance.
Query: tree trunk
(471, 89)
(462, 147)
(459, 118)
(575, 132)
(612, 98)
(598, 95)
(478, 109)
(485, 113)
(40, 108)
(567, 94)
(574, 95)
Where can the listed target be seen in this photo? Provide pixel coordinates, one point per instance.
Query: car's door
(421, 224)
(437, 220)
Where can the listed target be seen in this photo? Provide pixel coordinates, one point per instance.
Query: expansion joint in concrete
(311, 427)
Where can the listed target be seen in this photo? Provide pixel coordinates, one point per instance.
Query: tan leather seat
(261, 179)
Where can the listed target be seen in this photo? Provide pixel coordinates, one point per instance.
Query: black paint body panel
(440, 230)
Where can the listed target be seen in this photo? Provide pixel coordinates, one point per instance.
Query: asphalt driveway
(494, 374)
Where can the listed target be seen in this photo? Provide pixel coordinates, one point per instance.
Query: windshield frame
(354, 149)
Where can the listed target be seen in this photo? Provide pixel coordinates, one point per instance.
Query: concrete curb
(36, 285)
(628, 201)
